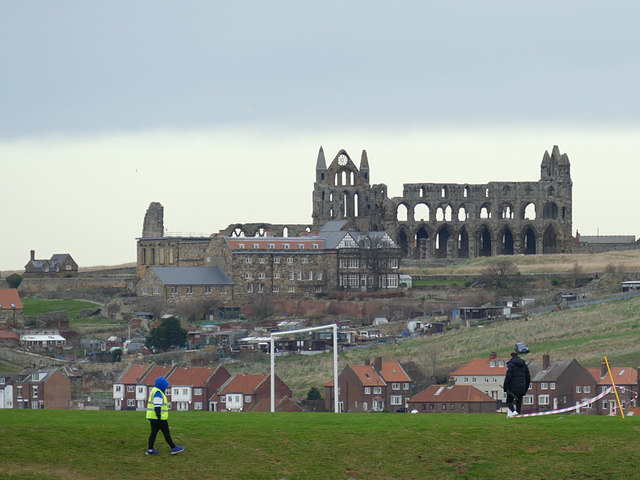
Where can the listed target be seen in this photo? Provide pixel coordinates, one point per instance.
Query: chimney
(452, 382)
(33, 255)
(378, 364)
(493, 356)
(546, 362)
(603, 369)
(367, 362)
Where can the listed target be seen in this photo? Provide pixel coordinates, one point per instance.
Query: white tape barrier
(584, 403)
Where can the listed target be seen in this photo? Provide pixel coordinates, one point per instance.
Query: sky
(217, 110)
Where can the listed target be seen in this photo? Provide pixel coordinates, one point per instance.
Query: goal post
(334, 327)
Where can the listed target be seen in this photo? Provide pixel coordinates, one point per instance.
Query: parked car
(521, 347)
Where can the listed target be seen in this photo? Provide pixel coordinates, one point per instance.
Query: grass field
(73, 445)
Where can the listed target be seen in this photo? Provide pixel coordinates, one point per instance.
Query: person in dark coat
(516, 383)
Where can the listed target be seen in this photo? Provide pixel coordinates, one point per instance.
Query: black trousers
(163, 426)
(511, 398)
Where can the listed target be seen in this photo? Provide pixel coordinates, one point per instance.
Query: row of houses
(476, 387)
(201, 388)
(38, 389)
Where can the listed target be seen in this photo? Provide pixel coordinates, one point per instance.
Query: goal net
(274, 335)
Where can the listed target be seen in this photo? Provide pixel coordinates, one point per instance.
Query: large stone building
(358, 234)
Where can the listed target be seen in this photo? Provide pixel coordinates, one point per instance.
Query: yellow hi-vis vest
(151, 408)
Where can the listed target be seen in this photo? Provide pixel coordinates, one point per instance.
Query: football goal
(335, 360)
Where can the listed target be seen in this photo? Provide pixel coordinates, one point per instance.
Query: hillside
(74, 445)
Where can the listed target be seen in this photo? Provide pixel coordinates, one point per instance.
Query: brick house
(452, 398)
(486, 374)
(371, 387)
(59, 265)
(11, 309)
(125, 388)
(557, 385)
(246, 392)
(191, 387)
(39, 389)
(625, 377)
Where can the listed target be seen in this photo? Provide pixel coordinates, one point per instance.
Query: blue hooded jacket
(162, 383)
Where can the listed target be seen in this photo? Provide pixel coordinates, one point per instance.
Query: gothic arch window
(465, 192)
(506, 242)
(352, 178)
(422, 243)
(549, 240)
(529, 241)
(463, 243)
(463, 215)
(444, 213)
(422, 191)
(402, 212)
(506, 212)
(261, 232)
(344, 177)
(550, 211)
(285, 232)
(485, 211)
(403, 242)
(421, 212)
(529, 211)
(444, 191)
(237, 232)
(486, 192)
(442, 239)
(336, 179)
(356, 207)
(484, 242)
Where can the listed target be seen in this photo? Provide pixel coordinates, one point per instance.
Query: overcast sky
(217, 109)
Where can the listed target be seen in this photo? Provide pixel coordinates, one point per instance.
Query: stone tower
(153, 226)
(342, 191)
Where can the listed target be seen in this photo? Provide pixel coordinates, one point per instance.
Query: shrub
(14, 280)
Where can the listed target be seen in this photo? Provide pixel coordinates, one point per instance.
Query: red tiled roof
(621, 376)
(367, 375)
(482, 367)
(393, 372)
(245, 384)
(191, 376)
(131, 375)
(455, 393)
(157, 371)
(9, 335)
(9, 296)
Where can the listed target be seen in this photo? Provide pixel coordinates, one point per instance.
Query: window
(395, 400)
(276, 289)
(261, 288)
(174, 289)
(466, 379)
(140, 389)
(305, 260)
(444, 406)
(197, 391)
(249, 287)
(527, 400)
(291, 275)
(143, 290)
(223, 290)
(367, 390)
(197, 405)
(131, 388)
(247, 275)
(35, 391)
(276, 274)
(131, 402)
(272, 246)
(319, 276)
(543, 399)
(247, 399)
(289, 259)
(301, 246)
(299, 275)
(552, 385)
(544, 386)
(185, 391)
(377, 390)
(587, 389)
(310, 277)
(190, 290)
(261, 275)
(452, 406)
(578, 389)
(395, 386)
(208, 289)
(261, 260)
(286, 246)
(405, 386)
(156, 290)
(118, 388)
(291, 289)
(256, 245)
(249, 260)
(605, 404)
(314, 246)
(276, 260)
(241, 245)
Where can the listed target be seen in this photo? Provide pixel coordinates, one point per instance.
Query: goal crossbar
(334, 327)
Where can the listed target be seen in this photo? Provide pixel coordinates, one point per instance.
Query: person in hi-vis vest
(158, 416)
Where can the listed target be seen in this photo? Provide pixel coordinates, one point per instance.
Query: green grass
(73, 445)
(34, 307)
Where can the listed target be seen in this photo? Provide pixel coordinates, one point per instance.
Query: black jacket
(517, 379)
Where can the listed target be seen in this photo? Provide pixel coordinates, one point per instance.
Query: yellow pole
(614, 387)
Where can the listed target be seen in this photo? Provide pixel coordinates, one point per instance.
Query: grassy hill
(73, 445)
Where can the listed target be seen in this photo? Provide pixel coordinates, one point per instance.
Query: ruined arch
(238, 231)
(421, 212)
(463, 214)
(444, 213)
(443, 235)
(485, 211)
(261, 231)
(402, 212)
(422, 243)
(528, 211)
(463, 243)
(506, 211)
(403, 242)
(528, 241)
(483, 241)
(549, 240)
(506, 242)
